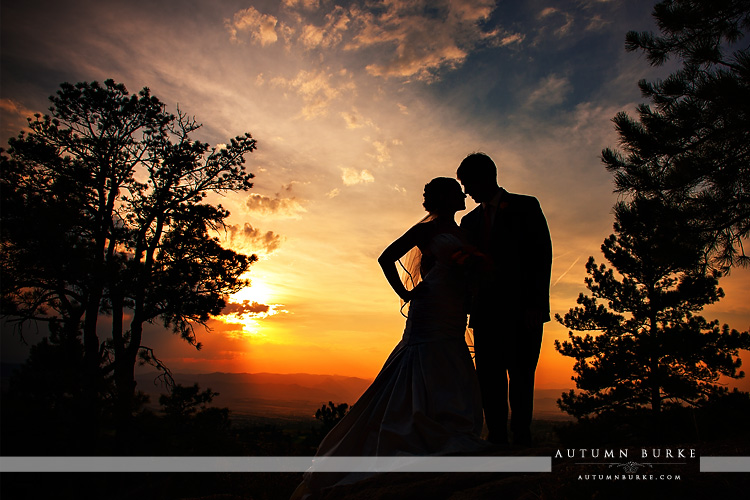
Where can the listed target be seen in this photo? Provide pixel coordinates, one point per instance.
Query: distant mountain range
(296, 395)
(266, 394)
(293, 396)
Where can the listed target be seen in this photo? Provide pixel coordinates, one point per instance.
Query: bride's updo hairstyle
(439, 194)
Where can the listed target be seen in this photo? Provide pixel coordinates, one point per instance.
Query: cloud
(247, 312)
(351, 176)
(315, 89)
(304, 4)
(330, 34)
(12, 107)
(257, 241)
(592, 123)
(409, 39)
(333, 193)
(564, 19)
(597, 23)
(13, 117)
(382, 153)
(354, 119)
(265, 205)
(245, 307)
(547, 12)
(510, 39)
(551, 91)
(259, 27)
(419, 38)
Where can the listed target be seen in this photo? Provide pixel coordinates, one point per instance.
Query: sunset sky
(355, 106)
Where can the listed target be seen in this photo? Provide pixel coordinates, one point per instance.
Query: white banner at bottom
(725, 464)
(276, 464)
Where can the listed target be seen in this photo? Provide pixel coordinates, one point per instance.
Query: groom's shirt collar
(494, 202)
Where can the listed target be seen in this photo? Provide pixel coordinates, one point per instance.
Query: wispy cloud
(415, 39)
(13, 116)
(329, 34)
(245, 307)
(561, 22)
(551, 91)
(266, 205)
(260, 28)
(354, 119)
(252, 239)
(510, 39)
(303, 4)
(418, 39)
(597, 23)
(316, 89)
(12, 107)
(352, 176)
(247, 313)
(382, 155)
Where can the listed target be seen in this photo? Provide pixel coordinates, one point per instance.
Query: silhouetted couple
(495, 267)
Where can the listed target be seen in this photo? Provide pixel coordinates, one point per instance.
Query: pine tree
(651, 350)
(691, 145)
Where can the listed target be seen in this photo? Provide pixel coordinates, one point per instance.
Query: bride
(425, 400)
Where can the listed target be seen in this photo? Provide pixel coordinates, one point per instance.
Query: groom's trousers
(506, 356)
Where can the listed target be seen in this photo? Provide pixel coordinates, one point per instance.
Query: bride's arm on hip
(387, 260)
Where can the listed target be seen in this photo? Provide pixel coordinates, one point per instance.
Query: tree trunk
(90, 406)
(124, 406)
(654, 379)
(124, 377)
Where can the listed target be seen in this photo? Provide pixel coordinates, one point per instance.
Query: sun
(258, 292)
(256, 305)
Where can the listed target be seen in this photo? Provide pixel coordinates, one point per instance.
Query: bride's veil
(410, 268)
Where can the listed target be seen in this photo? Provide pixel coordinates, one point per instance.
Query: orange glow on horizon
(320, 339)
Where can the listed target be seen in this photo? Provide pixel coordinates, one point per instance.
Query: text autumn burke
(625, 453)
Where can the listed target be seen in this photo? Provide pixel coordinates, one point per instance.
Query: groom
(511, 303)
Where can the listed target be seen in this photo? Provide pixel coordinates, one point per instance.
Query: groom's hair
(477, 166)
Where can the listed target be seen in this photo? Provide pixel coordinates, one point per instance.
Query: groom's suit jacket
(520, 248)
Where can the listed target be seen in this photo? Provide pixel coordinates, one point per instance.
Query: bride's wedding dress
(426, 399)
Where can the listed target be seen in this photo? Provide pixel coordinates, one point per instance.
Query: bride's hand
(471, 256)
(410, 294)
